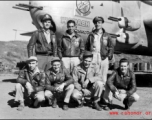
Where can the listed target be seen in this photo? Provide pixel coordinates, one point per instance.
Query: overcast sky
(11, 18)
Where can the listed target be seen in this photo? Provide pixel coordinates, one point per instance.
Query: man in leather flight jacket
(43, 42)
(100, 44)
(71, 47)
(31, 79)
(122, 84)
(59, 83)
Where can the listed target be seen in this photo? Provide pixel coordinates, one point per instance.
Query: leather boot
(31, 100)
(49, 102)
(65, 106)
(21, 106)
(96, 106)
(54, 102)
(128, 101)
(108, 106)
(125, 102)
(36, 104)
(81, 104)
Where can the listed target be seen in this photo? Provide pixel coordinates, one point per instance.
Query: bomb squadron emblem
(83, 7)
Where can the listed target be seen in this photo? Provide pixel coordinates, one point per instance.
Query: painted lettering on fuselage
(83, 31)
(79, 22)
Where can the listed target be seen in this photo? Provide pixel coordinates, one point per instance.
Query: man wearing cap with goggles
(31, 79)
(100, 44)
(43, 42)
(87, 81)
(71, 47)
(59, 83)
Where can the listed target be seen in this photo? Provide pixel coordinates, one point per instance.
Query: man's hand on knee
(116, 95)
(60, 88)
(86, 92)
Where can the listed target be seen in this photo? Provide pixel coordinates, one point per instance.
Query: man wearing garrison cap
(43, 42)
(59, 84)
(33, 80)
(88, 81)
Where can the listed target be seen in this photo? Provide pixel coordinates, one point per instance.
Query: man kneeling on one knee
(33, 80)
(122, 83)
(88, 81)
(59, 83)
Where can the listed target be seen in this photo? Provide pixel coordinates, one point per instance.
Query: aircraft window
(118, 1)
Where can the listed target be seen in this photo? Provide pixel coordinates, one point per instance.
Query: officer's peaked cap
(46, 17)
(98, 18)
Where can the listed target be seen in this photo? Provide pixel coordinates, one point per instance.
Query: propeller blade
(122, 13)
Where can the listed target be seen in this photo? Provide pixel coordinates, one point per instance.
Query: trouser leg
(70, 62)
(47, 64)
(43, 61)
(133, 98)
(29, 88)
(104, 72)
(96, 58)
(68, 92)
(66, 62)
(96, 92)
(19, 92)
(74, 61)
(104, 69)
(39, 96)
(104, 65)
(97, 89)
(122, 95)
(48, 94)
(77, 95)
(107, 96)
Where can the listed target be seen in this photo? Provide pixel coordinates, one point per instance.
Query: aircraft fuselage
(139, 16)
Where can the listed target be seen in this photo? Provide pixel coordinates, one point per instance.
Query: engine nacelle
(129, 25)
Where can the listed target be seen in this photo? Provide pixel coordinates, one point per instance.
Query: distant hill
(12, 52)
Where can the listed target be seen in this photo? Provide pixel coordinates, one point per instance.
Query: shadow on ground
(12, 93)
(114, 106)
(9, 80)
(12, 103)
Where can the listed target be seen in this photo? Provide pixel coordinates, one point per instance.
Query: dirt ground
(139, 110)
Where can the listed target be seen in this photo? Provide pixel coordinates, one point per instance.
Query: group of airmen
(72, 69)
